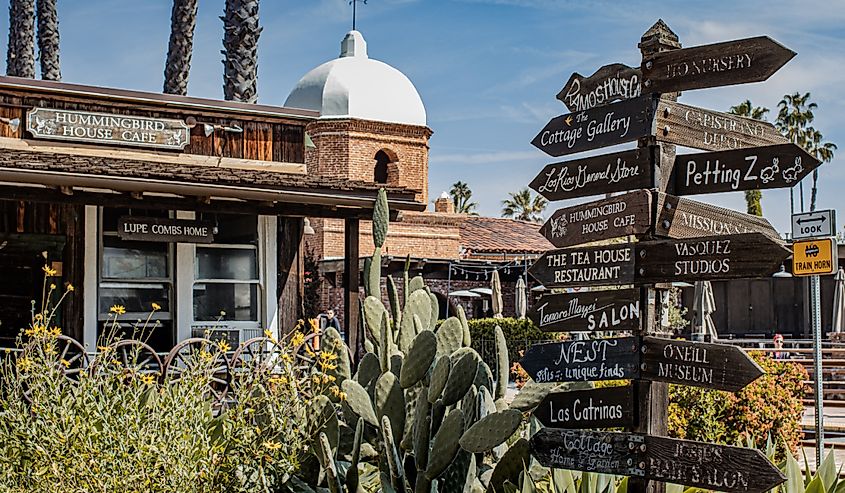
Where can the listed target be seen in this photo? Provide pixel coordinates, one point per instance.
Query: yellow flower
(118, 309)
(147, 379)
(328, 366)
(104, 349)
(327, 356)
(271, 445)
(70, 287)
(279, 380)
(24, 364)
(315, 325)
(156, 307)
(52, 286)
(205, 356)
(55, 331)
(287, 358)
(269, 334)
(39, 317)
(49, 270)
(297, 339)
(223, 345)
(341, 396)
(8, 350)
(65, 362)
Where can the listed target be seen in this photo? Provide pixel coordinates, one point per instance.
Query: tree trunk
(20, 57)
(240, 43)
(814, 190)
(752, 202)
(48, 40)
(183, 20)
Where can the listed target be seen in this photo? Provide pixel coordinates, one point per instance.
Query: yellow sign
(814, 257)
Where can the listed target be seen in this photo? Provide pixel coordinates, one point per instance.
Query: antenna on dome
(354, 4)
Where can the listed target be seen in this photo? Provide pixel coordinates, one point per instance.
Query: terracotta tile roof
(497, 235)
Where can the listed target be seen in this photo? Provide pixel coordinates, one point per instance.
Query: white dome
(356, 86)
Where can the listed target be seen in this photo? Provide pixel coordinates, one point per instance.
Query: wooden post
(351, 284)
(289, 284)
(653, 397)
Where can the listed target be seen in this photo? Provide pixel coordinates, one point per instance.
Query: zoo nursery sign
(105, 128)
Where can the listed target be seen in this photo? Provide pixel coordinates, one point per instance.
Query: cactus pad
(503, 370)
(445, 444)
(415, 284)
(531, 395)
(381, 219)
(435, 310)
(373, 275)
(419, 359)
(390, 402)
(368, 370)
(439, 377)
(359, 402)
(464, 365)
(484, 377)
(462, 316)
(490, 431)
(393, 298)
(333, 343)
(450, 336)
(422, 429)
(323, 409)
(373, 311)
(418, 304)
(511, 465)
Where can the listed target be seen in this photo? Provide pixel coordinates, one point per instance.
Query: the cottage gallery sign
(104, 128)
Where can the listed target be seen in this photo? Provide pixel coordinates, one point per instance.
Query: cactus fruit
(328, 463)
(531, 395)
(420, 357)
(491, 431)
(393, 298)
(438, 378)
(390, 402)
(462, 316)
(511, 465)
(359, 401)
(352, 473)
(445, 444)
(450, 336)
(464, 365)
(381, 219)
(502, 364)
(394, 462)
(372, 280)
(368, 370)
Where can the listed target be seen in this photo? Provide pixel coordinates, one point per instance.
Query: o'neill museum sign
(104, 128)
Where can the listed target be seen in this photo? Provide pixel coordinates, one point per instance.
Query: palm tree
(20, 56)
(240, 43)
(48, 39)
(183, 20)
(522, 206)
(753, 198)
(795, 114)
(461, 196)
(823, 151)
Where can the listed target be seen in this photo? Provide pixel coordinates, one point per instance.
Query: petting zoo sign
(105, 128)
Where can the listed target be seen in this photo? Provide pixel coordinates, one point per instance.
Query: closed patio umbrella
(521, 299)
(496, 288)
(703, 306)
(839, 302)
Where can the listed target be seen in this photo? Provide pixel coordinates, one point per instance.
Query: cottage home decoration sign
(105, 128)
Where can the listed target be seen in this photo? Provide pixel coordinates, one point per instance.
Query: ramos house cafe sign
(164, 230)
(105, 128)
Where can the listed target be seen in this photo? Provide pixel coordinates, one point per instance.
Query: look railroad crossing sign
(647, 237)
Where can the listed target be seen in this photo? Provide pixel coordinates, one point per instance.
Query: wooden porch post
(351, 284)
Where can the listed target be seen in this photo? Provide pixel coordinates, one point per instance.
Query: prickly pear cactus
(420, 357)
(491, 430)
(381, 218)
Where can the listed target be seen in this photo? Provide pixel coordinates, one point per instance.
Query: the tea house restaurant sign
(166, 230)
(106, 128)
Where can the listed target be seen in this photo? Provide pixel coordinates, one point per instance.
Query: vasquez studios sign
(104, 128)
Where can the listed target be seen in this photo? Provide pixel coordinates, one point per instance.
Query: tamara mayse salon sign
(164, 230)
(105, 128)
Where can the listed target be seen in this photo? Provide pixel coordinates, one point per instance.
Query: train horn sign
(714, 65)
(703, 465)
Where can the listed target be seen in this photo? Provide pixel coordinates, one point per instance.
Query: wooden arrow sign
(714, 65)
(684, 218)
(616, 172)
(609, 265)
(587, 311)
(712, 366)
(622, 215)
(610, 407)
(709, 258)
(690, 463)
(604, 126)
(774, 166)
(583, 361)
(614, 82)
(708, 130)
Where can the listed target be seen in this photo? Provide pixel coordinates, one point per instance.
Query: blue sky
(487, 70)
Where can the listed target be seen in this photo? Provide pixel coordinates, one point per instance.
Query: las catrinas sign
(105, 128)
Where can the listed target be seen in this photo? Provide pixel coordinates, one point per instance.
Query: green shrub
(519, 334)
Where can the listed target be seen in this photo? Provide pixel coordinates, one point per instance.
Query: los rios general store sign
(105, 128)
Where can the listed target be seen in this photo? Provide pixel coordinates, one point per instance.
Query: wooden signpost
(615, 123)
(587, 311)
(609, 173)
(610, 407)
(686, 462)
(719, 64)
(703, 242)
(614, 82)
(775, 166)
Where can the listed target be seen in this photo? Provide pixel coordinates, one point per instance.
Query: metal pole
(815, 304)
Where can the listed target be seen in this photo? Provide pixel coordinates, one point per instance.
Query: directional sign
(610, 83)
(698, 364)
(775, 166)
(708, 130)
(617, 172)
(815, 257)
(610, 265)
(604, 126)
(709, 258)
(622, 215)
(671, 460)
(583, 360)
(609, 407)
(587, 311)
(684, 218)
(715, 65)
(816, 224)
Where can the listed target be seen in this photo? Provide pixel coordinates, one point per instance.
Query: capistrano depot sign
(105, 128)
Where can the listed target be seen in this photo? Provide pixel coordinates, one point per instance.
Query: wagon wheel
(70, 359)
(258, 358)
(128, 358)
(197, 352)
(303, 358)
